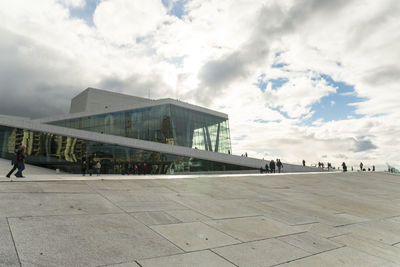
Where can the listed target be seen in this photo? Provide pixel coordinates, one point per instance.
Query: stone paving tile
(187, 215)
(317, 213)
(385, 231)
(357, 206)
(219, 209)
(371, 247)
(191, 259)
(138, 206)
(310, 242)
(324, 230)
(350, 218)
(346, 257)
(155, 218)
(125, 197)
(261, 253)
(8, 254)
(33, 204)
(125, 264)
(253, 228)
(116, 185)
(25, 187)
(395, 219)
(282, 215)
(194, 236)
(86, 240)
(65, 187)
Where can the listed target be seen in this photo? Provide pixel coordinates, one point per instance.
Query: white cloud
(122, 21)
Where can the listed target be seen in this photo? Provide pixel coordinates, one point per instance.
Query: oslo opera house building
(122, 131)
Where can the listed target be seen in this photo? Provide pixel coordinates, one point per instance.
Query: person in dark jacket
(20, 161)
(344, 167)
(90, 167)
(279, 165)
(14, 163)
(84, 167)
(266, 168)
(272, 166)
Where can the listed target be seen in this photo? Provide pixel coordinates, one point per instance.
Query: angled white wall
(96, 100)
(27, 124)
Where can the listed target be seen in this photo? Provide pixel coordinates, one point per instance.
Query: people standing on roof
(344, 167)
(90, 167)
(266, 168)
(279, 165)
(272, 166)
(84, 167)
(98, 168)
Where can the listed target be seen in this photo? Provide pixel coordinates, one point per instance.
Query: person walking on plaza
(21, 155)
(14, 163)
(304, 163)
(266, 168)
(90, 167)
(361, 166)
(98, 168)
(272, 166)
(344, 167)
(84, 167)
(279, 165)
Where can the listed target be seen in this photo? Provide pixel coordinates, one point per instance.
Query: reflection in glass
(168, 124)
(66, 153)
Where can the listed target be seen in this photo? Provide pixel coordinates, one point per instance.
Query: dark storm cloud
(272, 23)
(363, 145)
(383, 75)
(33, 81)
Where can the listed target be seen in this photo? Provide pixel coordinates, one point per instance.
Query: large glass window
(67, 153)
(168, 124)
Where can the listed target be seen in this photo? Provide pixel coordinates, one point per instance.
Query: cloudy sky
(300, 79)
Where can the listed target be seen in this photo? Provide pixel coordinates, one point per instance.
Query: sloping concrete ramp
(325, 219)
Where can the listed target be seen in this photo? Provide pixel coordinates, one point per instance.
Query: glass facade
(168, 124)
(67, 153)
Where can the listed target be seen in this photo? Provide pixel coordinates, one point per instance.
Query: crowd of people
(89, 167)
(344, 166)
(18, 162)
(272, 166)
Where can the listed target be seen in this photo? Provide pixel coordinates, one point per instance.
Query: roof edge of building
(126, 108)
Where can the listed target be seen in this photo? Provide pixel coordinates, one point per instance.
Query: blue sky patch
(283, 113)
(262, 82)
(85, 13)
(266, 121)
(175, 7)
(279, 65)
(336, 106)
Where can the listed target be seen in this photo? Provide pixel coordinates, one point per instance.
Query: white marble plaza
(319, 219)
